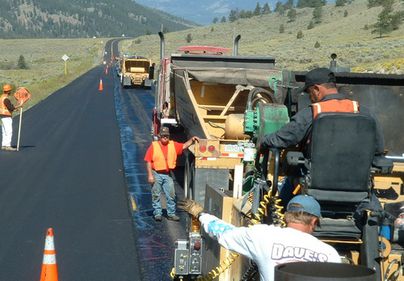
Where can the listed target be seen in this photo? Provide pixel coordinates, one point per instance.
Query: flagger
(6, 112)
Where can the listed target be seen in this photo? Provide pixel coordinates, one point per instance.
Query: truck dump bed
(207, 89)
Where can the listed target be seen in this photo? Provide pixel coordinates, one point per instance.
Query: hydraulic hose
(267, 96)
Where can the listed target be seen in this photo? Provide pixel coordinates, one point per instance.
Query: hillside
(207, 9)
(82, 18)
(348, 36)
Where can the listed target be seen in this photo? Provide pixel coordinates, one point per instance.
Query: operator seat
(341, 152)
(342, 148)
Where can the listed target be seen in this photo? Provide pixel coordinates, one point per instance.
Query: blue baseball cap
(304, 203)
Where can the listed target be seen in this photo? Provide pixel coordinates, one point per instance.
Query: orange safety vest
(163, 162)
(3, 108)
(344, 105)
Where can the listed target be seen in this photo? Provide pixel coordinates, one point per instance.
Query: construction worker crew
(6, 112)
(161, 157)
(269, 245)
(320, 84)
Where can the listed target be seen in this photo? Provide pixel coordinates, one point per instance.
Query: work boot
(157, 218)
(173, 218)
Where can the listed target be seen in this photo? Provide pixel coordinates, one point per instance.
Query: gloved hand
(191, 207)
(263, 148)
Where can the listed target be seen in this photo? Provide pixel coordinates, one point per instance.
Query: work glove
(191, 207)
(263, 148)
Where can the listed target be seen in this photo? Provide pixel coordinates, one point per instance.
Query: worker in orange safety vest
(161, 158)
(6, 112)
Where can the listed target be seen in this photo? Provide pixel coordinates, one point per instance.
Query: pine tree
(257, 10)
(317, 14)
(188, 38)
(340, 3)
(310, 3)
(317, 45)
(233, 15)
(266, 9)
(279, 8)
(223, 19)
(21, 63)
(215, 20)
(288, 4)
(281, 28)
(292, 15)
(299, 34)
(385, 19)
(311, 25)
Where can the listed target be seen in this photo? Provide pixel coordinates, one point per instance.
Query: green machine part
(265, 119)
(271, 118)
(274, 80)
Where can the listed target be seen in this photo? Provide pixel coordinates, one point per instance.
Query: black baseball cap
(318, 76)
(164, 131)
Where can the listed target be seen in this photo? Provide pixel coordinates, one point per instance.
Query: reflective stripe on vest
(344, 105)
(3, 108)
(161, 163)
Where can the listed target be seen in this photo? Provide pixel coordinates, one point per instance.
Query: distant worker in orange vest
(161, 158)
(6, 112)
(320, 85)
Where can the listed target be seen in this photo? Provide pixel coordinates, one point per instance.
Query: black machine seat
(342, 150)
(339, 165)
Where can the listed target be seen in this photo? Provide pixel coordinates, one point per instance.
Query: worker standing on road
(161, 157)
(6, 112)
(320, 84)
(269, 245)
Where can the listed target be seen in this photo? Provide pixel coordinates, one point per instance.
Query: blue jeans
(163, 182)
(286, 188)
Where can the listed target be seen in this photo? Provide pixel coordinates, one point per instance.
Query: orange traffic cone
(100, 86)
(49, 267)
(106, 70)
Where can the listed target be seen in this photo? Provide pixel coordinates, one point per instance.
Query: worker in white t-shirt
(269, 245)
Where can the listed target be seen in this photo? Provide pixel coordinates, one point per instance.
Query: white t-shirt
(269, 245)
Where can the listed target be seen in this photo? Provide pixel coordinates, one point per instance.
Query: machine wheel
(189, 176)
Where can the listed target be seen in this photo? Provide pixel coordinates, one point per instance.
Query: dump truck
(135, 71)
(231, 102)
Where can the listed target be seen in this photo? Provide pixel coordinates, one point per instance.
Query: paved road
(80, 170)
(68, 175)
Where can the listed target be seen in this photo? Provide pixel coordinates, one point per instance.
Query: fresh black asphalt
(68, 175)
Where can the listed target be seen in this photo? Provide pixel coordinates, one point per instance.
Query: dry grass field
(46, 69)
(347, 36)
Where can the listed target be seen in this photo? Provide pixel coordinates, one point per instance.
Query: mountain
(203, 12)
(82, 18)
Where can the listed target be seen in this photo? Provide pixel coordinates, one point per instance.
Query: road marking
(133, 203)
